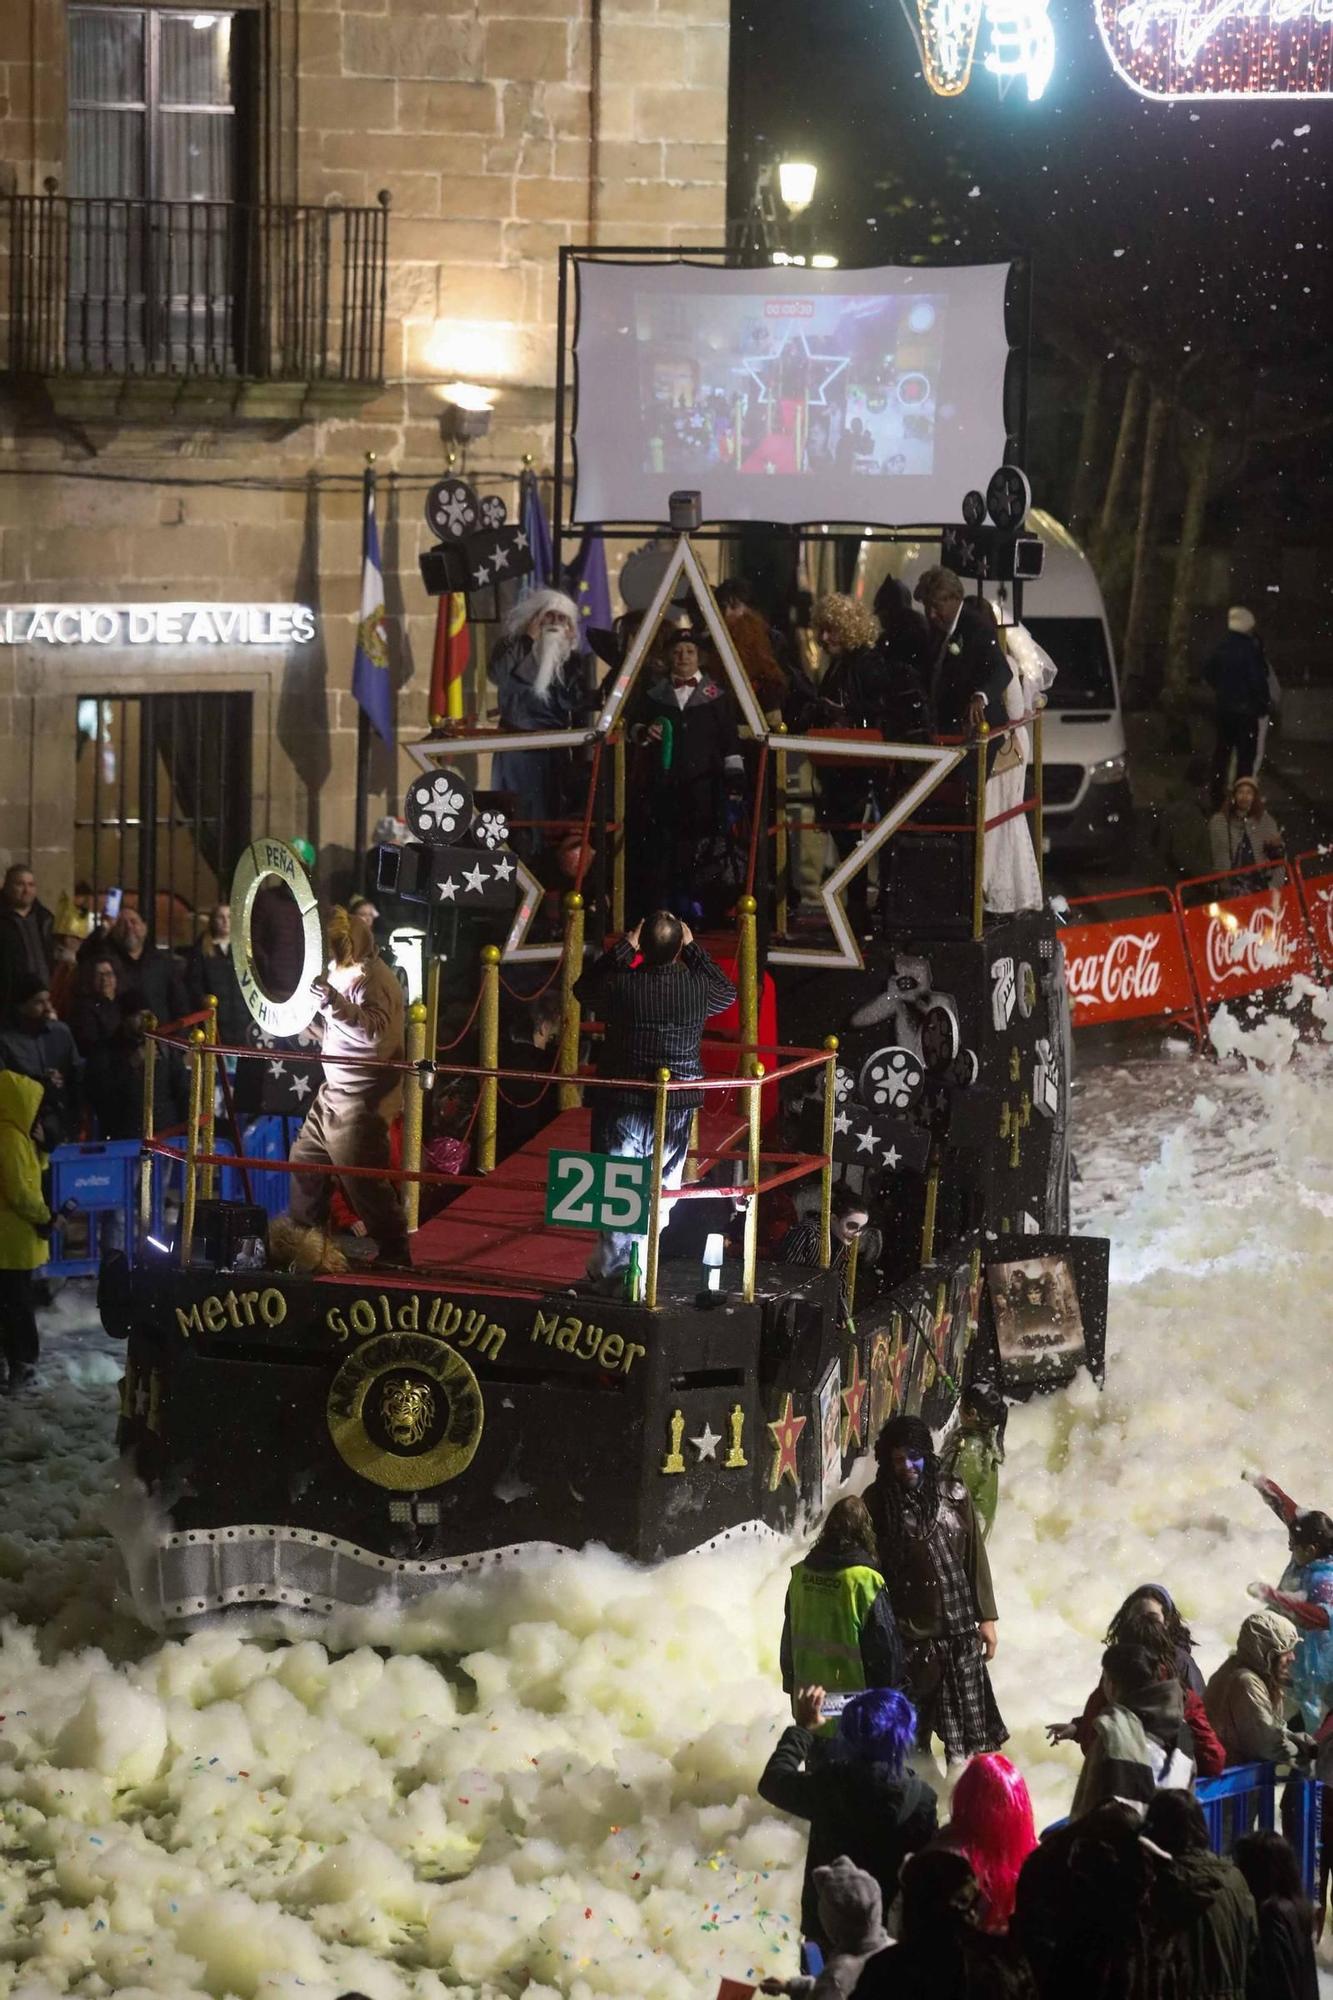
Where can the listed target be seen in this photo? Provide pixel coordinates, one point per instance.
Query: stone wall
(500, 131)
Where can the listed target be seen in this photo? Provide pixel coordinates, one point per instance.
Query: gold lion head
(406, 1409)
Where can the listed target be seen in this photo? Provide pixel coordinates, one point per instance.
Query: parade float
(302, 1442)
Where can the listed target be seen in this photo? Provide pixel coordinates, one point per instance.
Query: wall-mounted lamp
(466, 415)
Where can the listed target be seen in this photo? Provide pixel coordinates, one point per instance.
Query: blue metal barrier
(1250, 1798)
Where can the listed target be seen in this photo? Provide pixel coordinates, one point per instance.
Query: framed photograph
(1038, 1320)
(830, 1430)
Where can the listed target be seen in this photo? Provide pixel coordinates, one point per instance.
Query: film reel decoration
(439, 807)
(492, 511)
(266, 869)
(405, 1412)
(452, 509)
(940, 1037)
(891, 1079)
(1027, 990)
(966, 1069)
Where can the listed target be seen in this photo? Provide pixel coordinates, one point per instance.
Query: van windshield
(1078, 647)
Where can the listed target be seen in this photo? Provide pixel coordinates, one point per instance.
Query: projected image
(784, 386)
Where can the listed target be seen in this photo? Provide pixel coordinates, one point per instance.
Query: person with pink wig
(990, 1821)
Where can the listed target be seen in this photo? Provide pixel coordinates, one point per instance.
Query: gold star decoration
(786, 1436)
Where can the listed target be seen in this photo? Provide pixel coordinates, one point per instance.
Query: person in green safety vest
(838, 1631)
(975, 1452)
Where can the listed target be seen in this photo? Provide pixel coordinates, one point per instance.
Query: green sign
(597, 1191)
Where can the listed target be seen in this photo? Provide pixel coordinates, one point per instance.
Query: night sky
(1193, 236)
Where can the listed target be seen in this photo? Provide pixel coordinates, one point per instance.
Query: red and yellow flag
(453, 650)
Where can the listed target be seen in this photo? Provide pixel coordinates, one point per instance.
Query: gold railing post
(692, 1156)
(928, 1219)
(655, 1186)
(1038, 798)
(826, 1171)
(433, 997)
(413, 1107)
(747, 975)
(489, 1051)
(147, 1125)
(781, 843)
(755, 1110)
(190, 1192)
(207, 1174)
(571, 965)
(979, 840)
(849, 1280)
(618, 760)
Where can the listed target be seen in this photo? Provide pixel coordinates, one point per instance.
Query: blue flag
(372, 682)
(538, 531)
(587, 583)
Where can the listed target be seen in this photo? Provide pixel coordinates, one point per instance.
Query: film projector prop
(476, 548)
(458, 858)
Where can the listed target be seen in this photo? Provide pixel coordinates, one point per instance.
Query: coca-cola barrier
(1211, 939)
(1132, 967)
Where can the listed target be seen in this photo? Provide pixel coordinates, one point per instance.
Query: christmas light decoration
(1022, 44)
(1221, 48)
(947, 41)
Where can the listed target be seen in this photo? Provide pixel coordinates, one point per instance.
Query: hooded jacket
(22, 1211)
(852, 1913)
(856, 1809)
(1239, 1698)
(1140, 1745)
(1204, 1915)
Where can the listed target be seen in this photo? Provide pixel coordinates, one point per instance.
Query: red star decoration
(786, 1435)
(897, 1369)
(854, 1402)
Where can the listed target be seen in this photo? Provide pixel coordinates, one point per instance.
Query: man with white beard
(539, 683)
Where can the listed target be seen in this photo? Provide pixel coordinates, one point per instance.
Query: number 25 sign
(597, 1191)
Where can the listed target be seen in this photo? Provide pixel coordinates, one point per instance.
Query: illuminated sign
(1022, 43)
(263, 627)
(1221, 48)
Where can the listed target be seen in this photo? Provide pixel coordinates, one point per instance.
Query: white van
(1088, 807)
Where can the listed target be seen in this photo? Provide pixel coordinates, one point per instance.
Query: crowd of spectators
(1123, 1900)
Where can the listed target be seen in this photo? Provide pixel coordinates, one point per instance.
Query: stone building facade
(187, 399)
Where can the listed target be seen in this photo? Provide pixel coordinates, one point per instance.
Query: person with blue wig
(855, 1789)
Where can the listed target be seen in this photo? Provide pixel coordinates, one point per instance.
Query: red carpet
(495, 1233)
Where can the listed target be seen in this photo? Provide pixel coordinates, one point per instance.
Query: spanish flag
(453, 650)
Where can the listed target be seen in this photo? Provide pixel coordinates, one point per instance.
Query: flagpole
(362, 720)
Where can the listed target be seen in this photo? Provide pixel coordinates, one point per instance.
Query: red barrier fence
(1212, 939)
(1132, 967)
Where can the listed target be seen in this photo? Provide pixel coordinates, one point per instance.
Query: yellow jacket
(22, 1210)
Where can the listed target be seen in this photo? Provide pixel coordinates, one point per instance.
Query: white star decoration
(480, 574)
(504, 868)
(448, 891)
(501, 560)
(475, 878)
(707, 1442)
(867, 1141)
(891, 1156)
(300, 1087)
(833, 363)
(841, 1122)
(277, 1069)
(933, 762)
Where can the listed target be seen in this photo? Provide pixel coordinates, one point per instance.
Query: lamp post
(783, 190)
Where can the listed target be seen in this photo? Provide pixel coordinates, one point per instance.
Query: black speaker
(229, 1235)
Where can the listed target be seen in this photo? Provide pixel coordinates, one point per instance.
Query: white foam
(546, 1788)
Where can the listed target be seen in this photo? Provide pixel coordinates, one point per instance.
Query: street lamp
(796, 184)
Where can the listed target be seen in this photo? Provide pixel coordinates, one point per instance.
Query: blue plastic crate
(100, 1179)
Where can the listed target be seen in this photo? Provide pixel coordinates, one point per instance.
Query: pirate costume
(933, 1556)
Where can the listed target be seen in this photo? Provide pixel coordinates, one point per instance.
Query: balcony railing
(216, 290)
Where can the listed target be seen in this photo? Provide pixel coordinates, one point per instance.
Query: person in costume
(975, 1452)
(933, 1554)
(689, 762)
(1304, 1594)
(838, 1628)
(539, 680)
(361, 1022)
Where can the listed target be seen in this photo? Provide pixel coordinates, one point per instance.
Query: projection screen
(788, 395)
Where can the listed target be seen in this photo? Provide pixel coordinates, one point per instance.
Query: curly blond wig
(848, 624)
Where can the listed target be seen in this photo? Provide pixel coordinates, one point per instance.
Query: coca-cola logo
(1236, 950)
(1128, 969)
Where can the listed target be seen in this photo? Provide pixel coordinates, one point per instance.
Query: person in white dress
(1012, 880)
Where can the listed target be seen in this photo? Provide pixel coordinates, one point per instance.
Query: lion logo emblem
(407, 1410)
